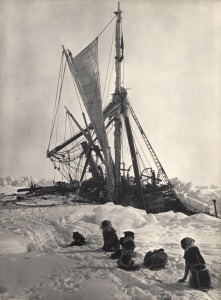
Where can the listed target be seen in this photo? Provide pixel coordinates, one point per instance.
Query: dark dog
(156, 259)
(125, 261)
(117, 254)
(128, 235)
(79, 240)
(195, 264)
(111, 242)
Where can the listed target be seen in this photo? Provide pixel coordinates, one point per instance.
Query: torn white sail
(87, 75)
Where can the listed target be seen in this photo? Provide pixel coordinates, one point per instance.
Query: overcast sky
(172, 67)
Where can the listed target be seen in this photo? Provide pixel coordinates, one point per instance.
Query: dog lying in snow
(79, 240)
(156, 259)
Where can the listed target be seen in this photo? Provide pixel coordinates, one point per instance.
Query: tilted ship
(92, 159)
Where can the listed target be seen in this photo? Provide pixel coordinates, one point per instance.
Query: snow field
(49, 270)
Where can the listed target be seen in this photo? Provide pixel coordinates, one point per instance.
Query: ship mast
(120, 96)
(117, 98)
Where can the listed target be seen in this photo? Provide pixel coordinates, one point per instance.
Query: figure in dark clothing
(111, 242)
(195, 264)
(79, 240)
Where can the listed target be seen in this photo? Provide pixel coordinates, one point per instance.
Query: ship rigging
(92, 158)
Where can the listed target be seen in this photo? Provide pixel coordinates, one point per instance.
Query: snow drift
(38, 265)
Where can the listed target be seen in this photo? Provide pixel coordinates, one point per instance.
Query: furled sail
(87, 78)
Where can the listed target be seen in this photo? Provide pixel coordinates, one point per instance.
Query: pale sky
(172, 67)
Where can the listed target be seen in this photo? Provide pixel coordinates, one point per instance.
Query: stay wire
(73, 146)
(109, 82)
(55, 104)
(106, 26)
(67, 159)
(140, 146)
(108, 65)
(56, 98)
(59, 98)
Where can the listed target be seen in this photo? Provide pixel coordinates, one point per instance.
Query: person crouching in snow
(111, 242)
(79, 240)
(125, 262)
(195, 264)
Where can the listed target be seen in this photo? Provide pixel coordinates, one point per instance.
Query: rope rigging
(66, 156)
(151, 150)
(108, 88)
(108, 69)
(57, 99)
(106, 26)
(137, 141)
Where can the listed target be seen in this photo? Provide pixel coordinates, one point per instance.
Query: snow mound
(12, 243)
(135, 218)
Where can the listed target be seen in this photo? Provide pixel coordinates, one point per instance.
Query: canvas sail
(87, 78)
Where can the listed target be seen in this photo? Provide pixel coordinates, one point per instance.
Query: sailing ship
(91, 158)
